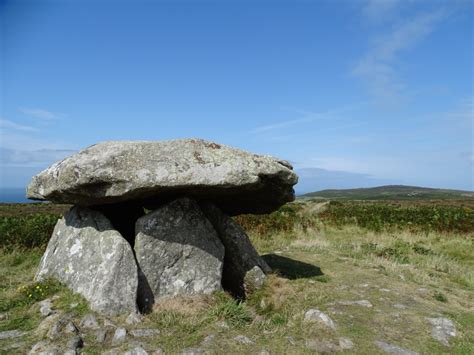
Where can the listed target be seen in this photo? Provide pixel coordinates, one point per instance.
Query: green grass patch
(30, 231)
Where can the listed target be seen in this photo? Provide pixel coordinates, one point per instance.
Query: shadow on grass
(290, 268)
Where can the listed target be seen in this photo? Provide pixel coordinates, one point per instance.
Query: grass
(406, 273)
(389, 216)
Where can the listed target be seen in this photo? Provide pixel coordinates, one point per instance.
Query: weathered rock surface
(178, 251)
(443, 329)
(11, 334)
(93, 259)
(111, 172)
(244, 269)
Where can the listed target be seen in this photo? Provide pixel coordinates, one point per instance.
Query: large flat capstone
(150, 173)
(178, 252)
(94, 260)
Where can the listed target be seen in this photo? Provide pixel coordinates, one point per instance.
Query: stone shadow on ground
(290, 268)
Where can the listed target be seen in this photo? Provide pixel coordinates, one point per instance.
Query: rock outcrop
(152, 220)
(244, 269)
(93, 259)
(151, 172)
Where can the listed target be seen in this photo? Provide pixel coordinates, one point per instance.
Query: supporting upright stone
(244, 270)
(93, 259)
(178, 252)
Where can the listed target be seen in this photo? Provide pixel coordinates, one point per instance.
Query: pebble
(158, 351)
(443, 329)
(45, 307)
(119, 335)
(222, 325)
(243, 340)
(394, 349)
(136, 351)
(43, 347)
(138, 333)
(100, 335)
(46, 324)
(58, 326)
(75, 343)
(315, 315)
(345, 343)
(3, 316)
(8, 334)
(70, 327)
(89, 321)
(133, 318)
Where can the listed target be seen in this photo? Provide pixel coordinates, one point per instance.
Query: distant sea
(14, 195)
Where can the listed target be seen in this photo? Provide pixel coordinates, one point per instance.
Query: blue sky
(353, 93)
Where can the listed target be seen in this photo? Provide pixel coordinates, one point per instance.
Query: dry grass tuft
(189, 305)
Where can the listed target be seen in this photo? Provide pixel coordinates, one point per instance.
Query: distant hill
(392, 192)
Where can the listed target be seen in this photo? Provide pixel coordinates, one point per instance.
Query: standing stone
(178, 252)
(92, 259)
(244, 270)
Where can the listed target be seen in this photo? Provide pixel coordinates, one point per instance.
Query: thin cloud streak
(378, 10)
(40, 113)
(308, 117)
(378, 67)
(6, 124)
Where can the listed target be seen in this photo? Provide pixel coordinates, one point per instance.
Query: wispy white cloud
(283, 124)
(40, 113)
(378, 10)
(31, 158)
(379, 65)
(308, 116)
(469, 157)
(6, 124)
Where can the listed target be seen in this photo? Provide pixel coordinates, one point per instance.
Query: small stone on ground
(136, 351)
(89, 321)
(138, 333)
(315, 315)
(119, 335)
(393, 349)
(443, 329)
(133, 318)
(243, 340)
(8, 334)
(345, 343)
(45, 307)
